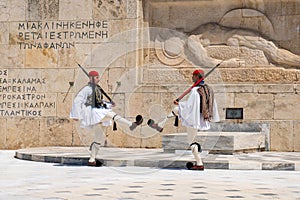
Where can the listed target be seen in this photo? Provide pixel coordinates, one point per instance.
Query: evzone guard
(90, 109)
(196, 113)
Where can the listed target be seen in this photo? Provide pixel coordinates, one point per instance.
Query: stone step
(217, 142)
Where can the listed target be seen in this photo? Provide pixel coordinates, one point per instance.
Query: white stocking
(98, 135)
(99, 139)
(196, 154)
(122, 122)
(191, 137)
(94, 150)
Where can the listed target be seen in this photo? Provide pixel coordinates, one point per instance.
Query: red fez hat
(93, 73)
(198, 71)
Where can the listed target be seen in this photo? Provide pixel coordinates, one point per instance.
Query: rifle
(154, 125)
(93, 87)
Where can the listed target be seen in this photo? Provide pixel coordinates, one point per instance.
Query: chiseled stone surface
(46, 9)
(22, 133)
(285, 105)
(11, 56)
(252, 57)
(256, 106)
(54, 132)
(282, 135)
(296, 132)
(4, 33)
(41, 58)
(69, 10)
(259, 75)
(3, 133)
(274, 88)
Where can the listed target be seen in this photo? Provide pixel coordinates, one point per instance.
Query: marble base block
(217, 142)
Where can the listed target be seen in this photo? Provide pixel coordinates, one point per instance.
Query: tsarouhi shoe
(138, 120)
(154, 125)
(197, 167)
(96, 163)
(92, 164)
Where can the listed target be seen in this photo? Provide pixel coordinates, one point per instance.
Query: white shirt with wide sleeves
(189, 112)
(87, 115)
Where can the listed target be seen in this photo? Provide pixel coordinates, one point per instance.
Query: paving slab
(21, 179)
(157, 158)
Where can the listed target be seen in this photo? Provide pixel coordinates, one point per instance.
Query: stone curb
(67, 157)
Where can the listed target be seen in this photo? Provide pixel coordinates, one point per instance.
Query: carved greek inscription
(19, 97)
(60, 34)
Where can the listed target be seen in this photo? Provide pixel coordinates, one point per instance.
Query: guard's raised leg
(159, 126)
(124, 123)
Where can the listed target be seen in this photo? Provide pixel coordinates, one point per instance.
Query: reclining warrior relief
(196, 47)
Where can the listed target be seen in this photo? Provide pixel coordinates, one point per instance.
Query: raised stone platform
(223, 138)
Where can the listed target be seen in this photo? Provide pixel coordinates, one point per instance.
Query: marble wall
(145, 52)
(259, 44)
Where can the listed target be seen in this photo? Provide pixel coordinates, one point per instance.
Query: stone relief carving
(111, 8)
(247, 18)
(200, 46)
(41, 10)
(170, 51)
(214, 34)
